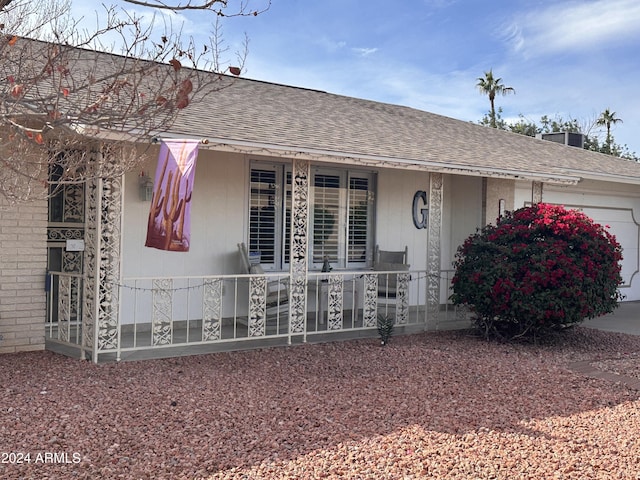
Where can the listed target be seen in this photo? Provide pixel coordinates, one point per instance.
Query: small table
(349, 285)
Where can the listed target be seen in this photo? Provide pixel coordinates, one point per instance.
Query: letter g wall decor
(420, 209)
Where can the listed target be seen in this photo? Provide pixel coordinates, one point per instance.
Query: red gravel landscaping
(442, 405)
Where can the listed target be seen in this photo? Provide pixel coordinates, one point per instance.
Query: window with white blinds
(340, 216)
(326, 218)
(360, 200)
(263, 218)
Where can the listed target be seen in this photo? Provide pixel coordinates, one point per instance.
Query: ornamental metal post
(102, 264)
(299, 230)
(91, 280)
(536, 192)
(110, 251)
(434, 245)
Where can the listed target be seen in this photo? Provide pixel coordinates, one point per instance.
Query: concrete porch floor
(235, 337)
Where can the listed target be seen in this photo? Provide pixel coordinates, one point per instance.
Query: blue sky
(564, 58)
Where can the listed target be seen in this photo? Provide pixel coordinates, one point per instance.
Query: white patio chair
(277, 291)
(389, 290)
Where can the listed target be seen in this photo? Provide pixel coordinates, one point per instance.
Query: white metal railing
(64, 307)
(356, 300)
(156, 313)
(162, 312)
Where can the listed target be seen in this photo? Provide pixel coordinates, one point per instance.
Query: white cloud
(574, 26)
(364, 52)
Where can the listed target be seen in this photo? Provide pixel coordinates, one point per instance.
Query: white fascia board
(608, 177)
(260, 149)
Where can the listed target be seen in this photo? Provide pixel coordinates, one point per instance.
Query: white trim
(608, 177)
(256, 148)
(592, 190)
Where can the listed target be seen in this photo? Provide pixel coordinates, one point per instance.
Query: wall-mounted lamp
(502, 207)
(145, 185)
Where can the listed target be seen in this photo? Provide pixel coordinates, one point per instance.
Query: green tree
(492, 86)
(524, 127)
(559, 124)
(606, 119)
(495, 121)
(547, 124)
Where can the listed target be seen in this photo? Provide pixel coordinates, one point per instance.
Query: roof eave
(263, 149)
(607, 177)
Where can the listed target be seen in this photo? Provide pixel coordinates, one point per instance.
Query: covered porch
(109, 312)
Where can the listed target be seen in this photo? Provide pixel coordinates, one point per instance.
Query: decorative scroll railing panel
(190, 314)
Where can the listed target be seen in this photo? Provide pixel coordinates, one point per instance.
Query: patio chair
(388, 288)
(390, 261)
(277, 292)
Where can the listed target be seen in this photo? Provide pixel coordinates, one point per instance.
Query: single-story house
(295, 194)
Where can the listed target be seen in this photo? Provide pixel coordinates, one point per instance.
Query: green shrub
(385, 328)
(540, 268)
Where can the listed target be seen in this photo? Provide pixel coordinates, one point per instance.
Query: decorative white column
(536, 192)
(433, 245)
(102, 265)
(298, 262)
(91, 255)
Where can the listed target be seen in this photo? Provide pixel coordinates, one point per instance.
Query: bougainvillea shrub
(539, 268)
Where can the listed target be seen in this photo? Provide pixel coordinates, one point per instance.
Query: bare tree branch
(60, 99)
(216, 6)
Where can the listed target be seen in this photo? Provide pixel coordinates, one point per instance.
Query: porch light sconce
(502, 205)
(145, 185)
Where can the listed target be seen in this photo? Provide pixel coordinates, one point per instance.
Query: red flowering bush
(540, 268)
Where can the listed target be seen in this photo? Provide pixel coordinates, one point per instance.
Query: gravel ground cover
(628, 365)
(441, 405)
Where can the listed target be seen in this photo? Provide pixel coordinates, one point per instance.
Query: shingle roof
(250, 115)
(261, 117)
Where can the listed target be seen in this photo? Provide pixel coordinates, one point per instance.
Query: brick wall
(23, 263)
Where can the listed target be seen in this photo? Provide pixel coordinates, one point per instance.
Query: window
(340, 216)
(360, 198)
(263, 221)
(325, 218)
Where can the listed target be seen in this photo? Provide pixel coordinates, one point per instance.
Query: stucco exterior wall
(219, 215)
(23, 263)
(462, 214)
(498, 190)
(218, 221)
(394, 214)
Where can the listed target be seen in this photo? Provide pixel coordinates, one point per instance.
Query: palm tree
(489, 85)
(606, 119)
